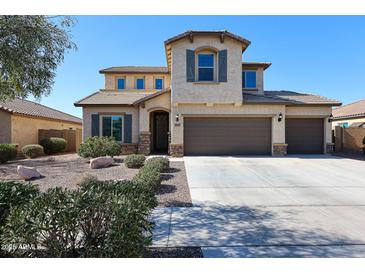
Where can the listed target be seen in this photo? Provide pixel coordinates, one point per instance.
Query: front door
(161, 128)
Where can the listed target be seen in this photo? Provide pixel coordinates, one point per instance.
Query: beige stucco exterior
(130, 80)
(215, 92)
(162, 102)
(192, 99)
(87, 111)
(24, 129)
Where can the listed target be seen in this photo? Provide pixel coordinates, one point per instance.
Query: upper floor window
(205, 67)
(140, 83)
(158, 83)
(121, 83)
(249, 79)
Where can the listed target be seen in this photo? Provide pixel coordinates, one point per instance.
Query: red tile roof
(25, 107)
(354, 109)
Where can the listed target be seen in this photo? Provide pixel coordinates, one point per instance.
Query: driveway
(297, 206)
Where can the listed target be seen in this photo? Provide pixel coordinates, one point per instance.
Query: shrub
(134, 160)
(14, 195)
(100, 219)
(115, 218)
(159, 163)
(99, 146)
(53, 145)
(32, 151)
(148, 177)
(8, 152)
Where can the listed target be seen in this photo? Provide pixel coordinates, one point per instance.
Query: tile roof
(135, 69)
(25, 107)
(265, 65)
(354, 109)
(222, 33)
(153, 95)
(287, 98)
(105, 97)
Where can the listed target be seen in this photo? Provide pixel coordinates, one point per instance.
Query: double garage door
(227, 136)
(248, 136)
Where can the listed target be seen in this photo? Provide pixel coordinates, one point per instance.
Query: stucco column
(177, 133)
(329, 145)
(279, 147)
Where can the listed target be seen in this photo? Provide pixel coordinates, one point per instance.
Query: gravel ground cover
(176, 252)
(174, 190)
(69, 169)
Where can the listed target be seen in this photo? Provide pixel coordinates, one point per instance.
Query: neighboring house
(351, 115)
(20, 121)
(206, 102)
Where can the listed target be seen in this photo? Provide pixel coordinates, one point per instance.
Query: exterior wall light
(280, 117)
(177, 117)
(330, 119)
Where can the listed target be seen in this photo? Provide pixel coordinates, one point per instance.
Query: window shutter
(190, 65)
(94, 125)
(222, 66)
(128, 128)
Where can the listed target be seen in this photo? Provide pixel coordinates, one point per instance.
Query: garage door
(227, 136)
(304, 136)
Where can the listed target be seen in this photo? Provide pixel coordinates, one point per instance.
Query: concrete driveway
(297, 206)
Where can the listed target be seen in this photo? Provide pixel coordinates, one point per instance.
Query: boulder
(101, 162)
(28, 173)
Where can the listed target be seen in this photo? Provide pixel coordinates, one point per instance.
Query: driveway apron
(297, 206)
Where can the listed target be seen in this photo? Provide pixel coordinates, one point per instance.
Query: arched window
(206, 60)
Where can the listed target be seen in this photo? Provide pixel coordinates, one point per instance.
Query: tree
(31, 48)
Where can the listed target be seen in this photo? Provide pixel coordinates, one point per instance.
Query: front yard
(68, 170)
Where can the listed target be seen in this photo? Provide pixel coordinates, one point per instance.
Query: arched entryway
(159, 127)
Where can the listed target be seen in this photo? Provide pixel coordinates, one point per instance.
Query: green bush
(134, 160)
(159, 163)
(148, 177)
(8, 152)
(53, 145)
(99, 146)
(32, 151)
(13, 195)
(100, 219)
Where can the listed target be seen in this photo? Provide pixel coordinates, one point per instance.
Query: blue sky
(318, 54)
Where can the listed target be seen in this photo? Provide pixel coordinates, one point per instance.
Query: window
(158, 83)
(249, 79)
(112, 126)
(121, 83)
(205, 67)
(344, 125)
(140, 83)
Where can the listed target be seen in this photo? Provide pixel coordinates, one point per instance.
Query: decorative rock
(28, 173)
(101, 162)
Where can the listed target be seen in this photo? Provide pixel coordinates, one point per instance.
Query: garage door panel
(227, 136)
(304, 136)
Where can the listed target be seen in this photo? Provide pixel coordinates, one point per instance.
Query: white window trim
(144, 82)
(255, 71)
(163, 82)
(101, 126)
(215, 66)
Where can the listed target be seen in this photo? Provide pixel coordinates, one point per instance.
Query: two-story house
(207, 101)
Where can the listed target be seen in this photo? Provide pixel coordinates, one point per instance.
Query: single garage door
(304, 136)
(227, 136)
